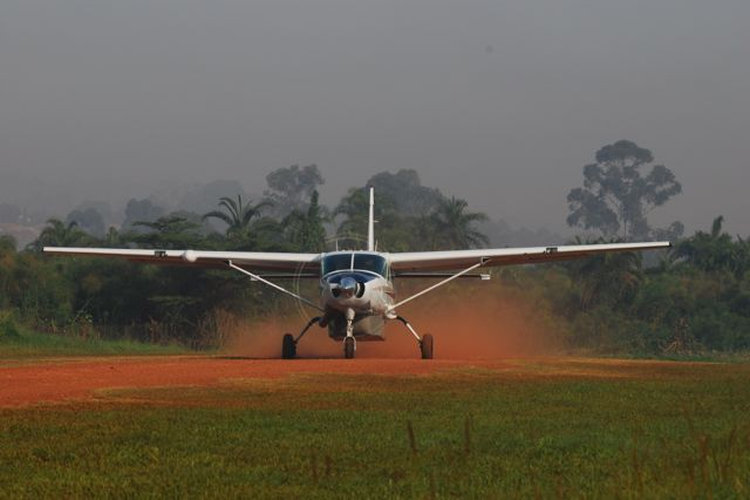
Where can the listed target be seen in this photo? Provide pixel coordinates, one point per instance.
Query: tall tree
(89, 220)
(617, 196)
(393, 232)
(406, 191)
(453, 227)
(140, 211)
(305, 230)
(352, 212)
(291, 188)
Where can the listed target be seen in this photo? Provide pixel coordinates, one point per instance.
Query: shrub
(8, 327)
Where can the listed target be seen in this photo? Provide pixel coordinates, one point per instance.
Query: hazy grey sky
(498, 102)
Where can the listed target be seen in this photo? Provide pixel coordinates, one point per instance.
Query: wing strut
(255, 277)
(437, 285)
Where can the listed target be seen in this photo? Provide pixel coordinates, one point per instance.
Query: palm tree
(453, 226)
(610, 278)
(237, 215)
(58, 234)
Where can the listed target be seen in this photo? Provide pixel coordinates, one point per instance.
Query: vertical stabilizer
(371, 222)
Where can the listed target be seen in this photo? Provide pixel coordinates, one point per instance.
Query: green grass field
(549, 428)
(18, 342)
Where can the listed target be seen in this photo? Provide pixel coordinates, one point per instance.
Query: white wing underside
(261, 261)
(401, 263)
(459, 259)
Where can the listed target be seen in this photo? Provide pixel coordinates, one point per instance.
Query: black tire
(288, 347)
(426, 346)
(349, 347)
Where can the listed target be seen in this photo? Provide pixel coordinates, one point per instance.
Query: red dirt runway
(61, 380)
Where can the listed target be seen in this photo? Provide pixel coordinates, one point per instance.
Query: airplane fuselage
(356, 284)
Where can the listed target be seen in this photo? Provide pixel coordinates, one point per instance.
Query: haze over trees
(140, 210)
(696, 299)
(619, 191)
(406, 193)
(292, 188)
(89, 220)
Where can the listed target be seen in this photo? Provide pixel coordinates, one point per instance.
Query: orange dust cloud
(465, 322)
(468, 327)
(262, 339)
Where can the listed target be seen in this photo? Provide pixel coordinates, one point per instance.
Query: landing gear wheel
(288, 347)
(349, 347)
(426, 346)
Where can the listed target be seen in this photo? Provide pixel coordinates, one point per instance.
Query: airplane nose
(348, 286)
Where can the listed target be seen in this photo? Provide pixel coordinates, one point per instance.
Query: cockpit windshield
(337, 262)
(355, 261)
(370, 262)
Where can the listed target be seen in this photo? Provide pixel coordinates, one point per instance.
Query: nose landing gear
(350, 344)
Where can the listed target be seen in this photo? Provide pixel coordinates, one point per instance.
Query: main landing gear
(426, 342)
(425, 346)
(288, 347)
(289, 343)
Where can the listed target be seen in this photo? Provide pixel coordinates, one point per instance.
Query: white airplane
(356, 287)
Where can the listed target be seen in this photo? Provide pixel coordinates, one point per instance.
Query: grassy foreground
(549, 428)
(19, 342)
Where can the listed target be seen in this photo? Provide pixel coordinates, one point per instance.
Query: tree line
(693, 298)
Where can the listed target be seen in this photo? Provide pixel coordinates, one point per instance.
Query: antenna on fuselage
(371, 222)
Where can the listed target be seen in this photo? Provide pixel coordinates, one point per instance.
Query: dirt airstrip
(463, 339)
(66, 380)
(77, 379)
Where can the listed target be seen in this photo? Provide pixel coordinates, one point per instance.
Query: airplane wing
(403, 263)
(260, 261)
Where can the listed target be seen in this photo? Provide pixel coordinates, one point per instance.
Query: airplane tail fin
(371, 222)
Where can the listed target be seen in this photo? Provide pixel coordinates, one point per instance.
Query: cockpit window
(370, 262)
(337, 262)
(362, 262)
